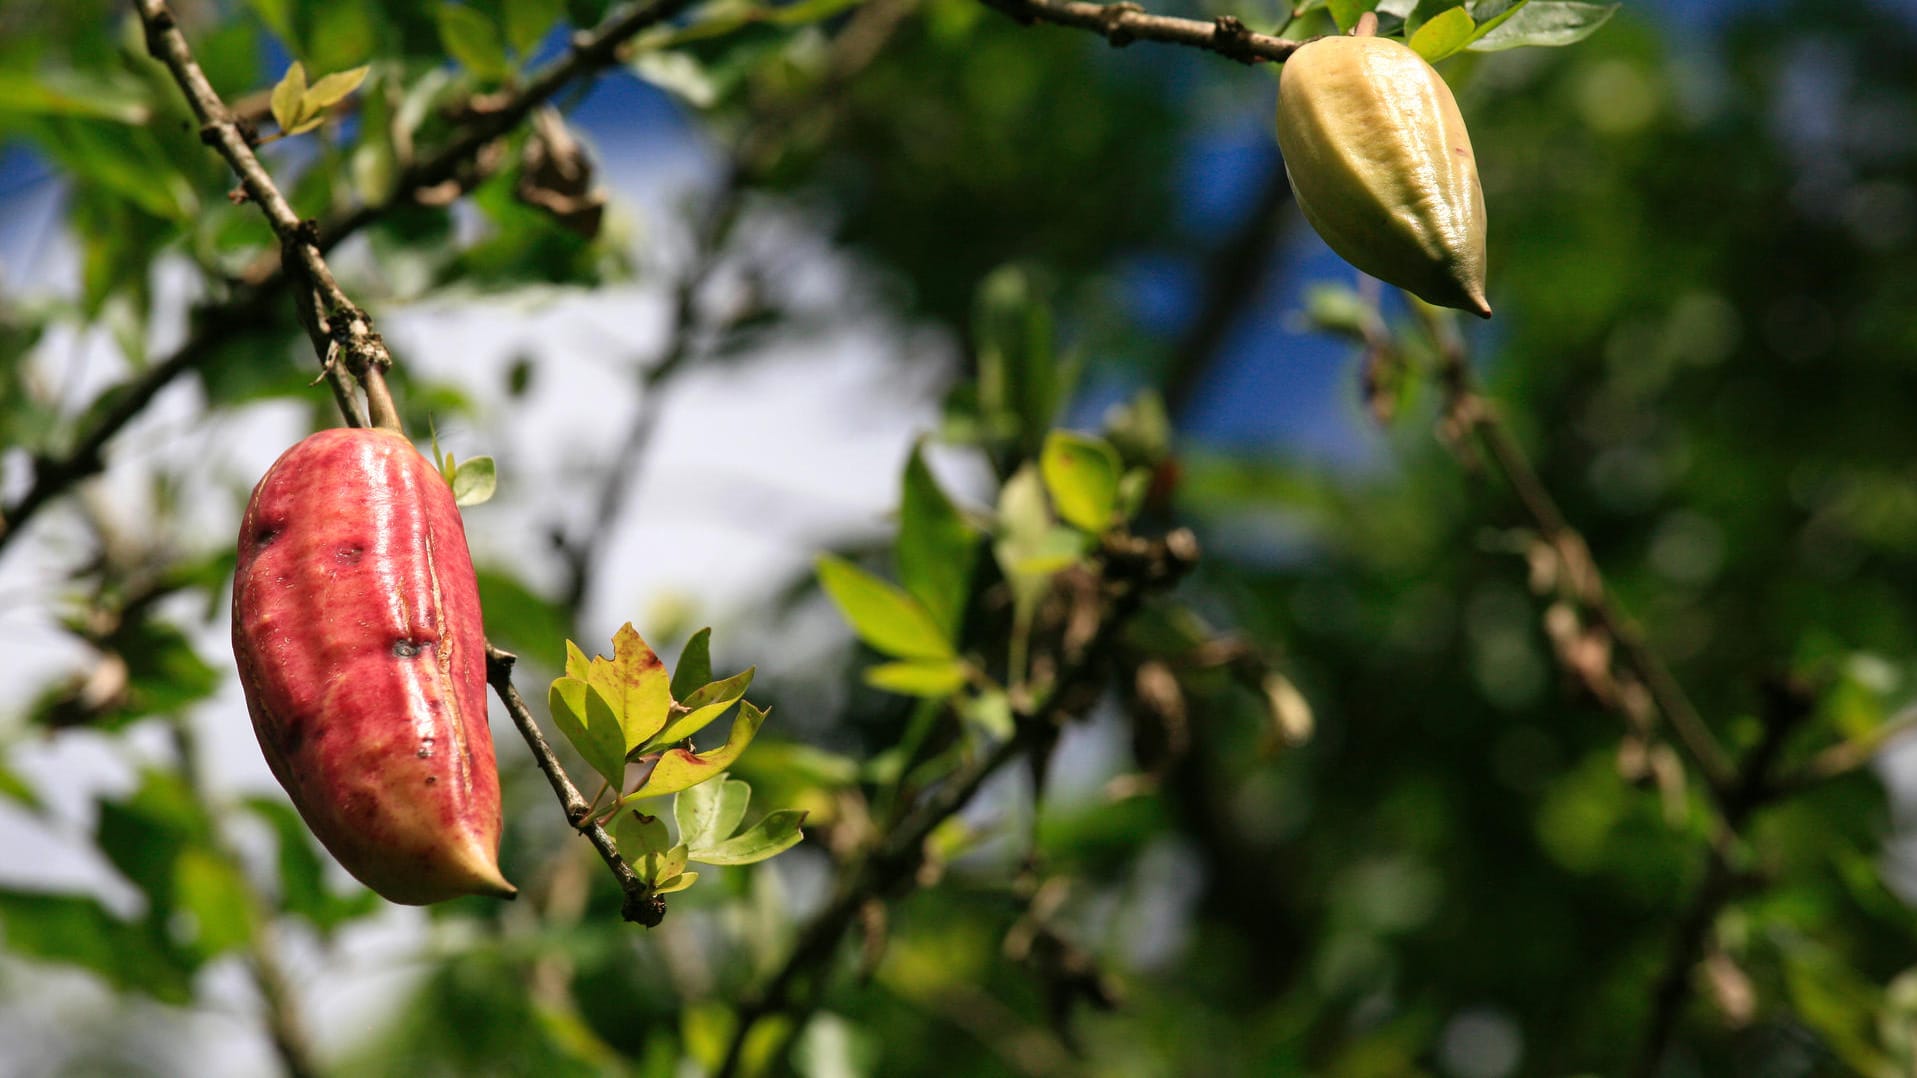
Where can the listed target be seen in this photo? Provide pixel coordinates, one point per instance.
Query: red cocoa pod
(357, 629)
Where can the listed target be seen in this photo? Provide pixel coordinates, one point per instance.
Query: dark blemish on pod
(405, 648)
(431, 779)
(349, 554)
(264, 535)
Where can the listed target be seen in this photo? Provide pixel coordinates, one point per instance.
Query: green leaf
(1424, 11)
(635, 685)
(577, 665)
(215, 894)
(934, 547)
(332, 89)
(1345, 12)
(1546, 23)
(520, 619)
(286, 96)
(77, 930)
(593, 730)
(639, 836)
(921, 677)
(1447, 33)
(1081, 472)
(695, 665)
(1019, 376)
(303, 891)
(775, 834)
(882, 615)
(1492, 14)
(711, 811)
(680, 769)
(474, 481)
(528, 21)
(94, 95)
(472, 39)
(15, 788)
(677, 883)
(705, 706)
(992, 713)
(144, 834)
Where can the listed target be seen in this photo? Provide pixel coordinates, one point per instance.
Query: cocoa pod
(356, 626)
(1382, 167)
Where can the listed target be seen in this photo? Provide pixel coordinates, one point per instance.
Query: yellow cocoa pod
(1382, 167)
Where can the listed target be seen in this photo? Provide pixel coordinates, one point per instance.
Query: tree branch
(1470, 414)
(366, 354)
(1135, 569)
(590, 53)
(1123, 23)
(641, 905)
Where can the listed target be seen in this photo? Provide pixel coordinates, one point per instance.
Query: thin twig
(641, 905)
(366, 354)
(1787, 705)
(1847, 756)
(1123, 23)
(346, 328)
(1472, 413)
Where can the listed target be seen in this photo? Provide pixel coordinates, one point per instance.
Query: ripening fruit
(357, 629)
(1382, 167)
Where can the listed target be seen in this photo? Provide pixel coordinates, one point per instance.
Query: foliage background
(1702, 223)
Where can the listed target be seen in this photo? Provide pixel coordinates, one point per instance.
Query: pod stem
(379, 401)
(1367, 25)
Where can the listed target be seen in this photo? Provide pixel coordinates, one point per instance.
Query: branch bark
(641, 905)
(1123, 23)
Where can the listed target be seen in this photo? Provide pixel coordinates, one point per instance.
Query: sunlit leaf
(474, 481)
(776, 833)
(1546, 23)
(1081, 474)
(583, 715)
(920, 677)
(935, 547)
(677, 883)
(706, 706)
(638, 835)
(1446, 33)
(710, 812)
(635, 686)
(882, 615)
(286, 97)
(679, 769)
(1345, 12)
(527, 22)
(695, 666)
(472, 39)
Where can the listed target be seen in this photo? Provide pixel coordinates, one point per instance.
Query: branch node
(644, 908)
(1114, 19)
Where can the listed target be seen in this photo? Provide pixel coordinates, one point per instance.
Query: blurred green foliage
(1704, 259)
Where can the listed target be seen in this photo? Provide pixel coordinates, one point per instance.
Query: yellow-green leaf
(775, 834)
(882, 615)
(677, 883)
(635, 685)
(333, 89)
(287, 95)
(590, 729)
(1446, 33)
(705, 707)
(680, 769)
(920, 677)
(1081, 474)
